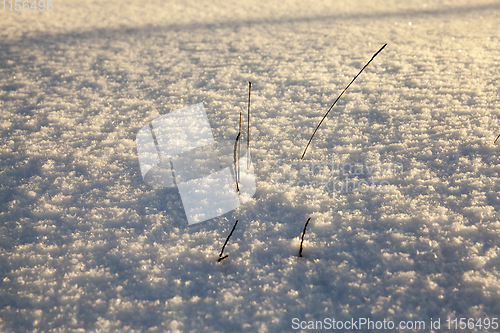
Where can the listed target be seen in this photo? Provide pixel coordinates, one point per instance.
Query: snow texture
(87, 246)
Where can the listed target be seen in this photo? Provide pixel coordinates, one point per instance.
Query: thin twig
(248, 126)
(326, 114)
(497, 138)
(303, 234)
(239, 148)
(224, 246)
(235, 162)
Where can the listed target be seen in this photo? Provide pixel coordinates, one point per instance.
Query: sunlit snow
(407, 229)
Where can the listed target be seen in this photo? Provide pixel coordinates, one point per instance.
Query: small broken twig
(248, 126)
(497, 138)
(239, 149)
(236, 162)
(326, 114)
(224, 246)
(303, 234)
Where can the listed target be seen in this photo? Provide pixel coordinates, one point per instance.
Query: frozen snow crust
(85, 245)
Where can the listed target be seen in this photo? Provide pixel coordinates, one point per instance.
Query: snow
(86, 245)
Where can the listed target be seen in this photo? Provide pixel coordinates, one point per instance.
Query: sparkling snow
(86, 245)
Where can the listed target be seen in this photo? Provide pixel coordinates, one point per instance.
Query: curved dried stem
(343, 91)
(225, 243)
(303, 234)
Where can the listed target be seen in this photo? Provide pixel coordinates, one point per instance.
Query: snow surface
(86, 245)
